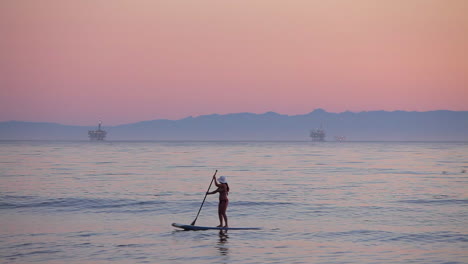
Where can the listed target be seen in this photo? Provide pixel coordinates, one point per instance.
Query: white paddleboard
(194, 227)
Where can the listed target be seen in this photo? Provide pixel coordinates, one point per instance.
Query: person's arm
(213, 192)
(216, 182)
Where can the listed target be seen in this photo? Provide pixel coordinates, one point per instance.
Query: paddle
(193, 223)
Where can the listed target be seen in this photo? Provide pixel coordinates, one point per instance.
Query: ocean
(327, 202)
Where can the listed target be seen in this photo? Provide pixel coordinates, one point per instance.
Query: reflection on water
(77, 202)
(222, 243)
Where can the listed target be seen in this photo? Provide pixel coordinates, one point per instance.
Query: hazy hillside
(363, 126)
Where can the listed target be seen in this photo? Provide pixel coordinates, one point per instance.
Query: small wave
(79, 204)
(430, 237)
(83, 234)
(436, 201)
(130, 245)
(271, 204)
(385, 236)
(28, 254)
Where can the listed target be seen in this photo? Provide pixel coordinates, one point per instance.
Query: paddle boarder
(223, 190)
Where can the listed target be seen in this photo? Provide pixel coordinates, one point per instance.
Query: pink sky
(124, 61)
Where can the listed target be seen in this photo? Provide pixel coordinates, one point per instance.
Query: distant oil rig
(98, 134)
(318, 135)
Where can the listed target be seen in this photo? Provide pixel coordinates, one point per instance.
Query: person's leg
(220, 213)
(223, 212)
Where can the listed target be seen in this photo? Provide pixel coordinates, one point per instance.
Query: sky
(124, 61)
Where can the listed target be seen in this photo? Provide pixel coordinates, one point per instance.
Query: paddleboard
(194, 227)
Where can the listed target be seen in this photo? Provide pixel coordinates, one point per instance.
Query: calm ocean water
(350, 202)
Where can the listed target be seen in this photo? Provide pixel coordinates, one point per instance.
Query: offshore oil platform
(318, 135)
(98, 134)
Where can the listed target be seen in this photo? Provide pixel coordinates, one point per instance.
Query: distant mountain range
(363, 126)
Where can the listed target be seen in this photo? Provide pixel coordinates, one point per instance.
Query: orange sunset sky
(124, 61)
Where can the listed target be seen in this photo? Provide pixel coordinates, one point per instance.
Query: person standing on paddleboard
(223, 190)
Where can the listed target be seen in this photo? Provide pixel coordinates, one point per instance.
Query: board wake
(193, 227)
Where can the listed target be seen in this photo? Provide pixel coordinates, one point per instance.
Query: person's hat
(222, 179)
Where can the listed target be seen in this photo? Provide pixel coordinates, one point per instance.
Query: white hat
(222, 179)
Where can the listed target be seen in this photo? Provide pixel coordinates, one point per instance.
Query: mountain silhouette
(442, 125)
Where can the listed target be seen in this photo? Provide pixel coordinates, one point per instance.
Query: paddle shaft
(193, 223)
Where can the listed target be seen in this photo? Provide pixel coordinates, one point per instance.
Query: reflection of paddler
(223, 238)
(223, 190)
